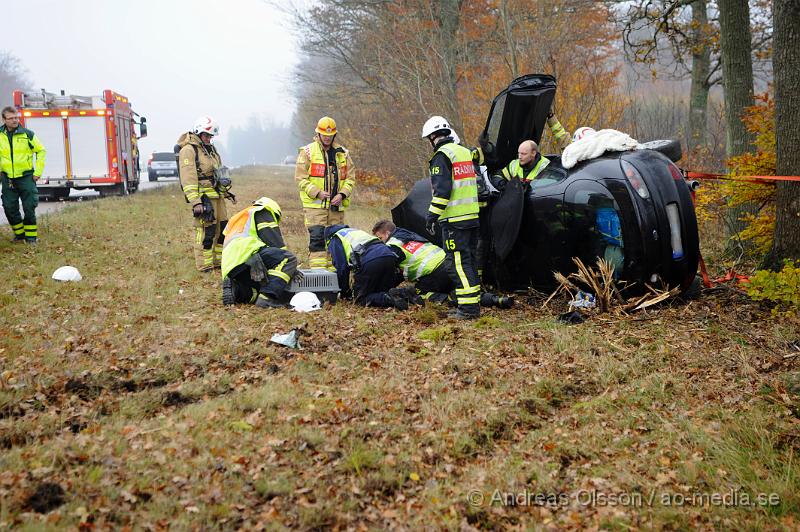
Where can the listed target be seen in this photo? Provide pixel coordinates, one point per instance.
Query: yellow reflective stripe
(439, 201)
(254, 295)
(469, 300)
(262, 225)
(467, 291)
(318, 262)
(435, 210)
(278, 273)
(460, 270)
(462, 218)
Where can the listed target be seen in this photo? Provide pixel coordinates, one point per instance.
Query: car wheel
(669, 148)
(152, 177)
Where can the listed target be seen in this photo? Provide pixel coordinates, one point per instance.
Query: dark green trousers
(14, 190)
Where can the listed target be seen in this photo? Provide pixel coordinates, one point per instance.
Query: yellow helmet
(270, 204)
(326, 126)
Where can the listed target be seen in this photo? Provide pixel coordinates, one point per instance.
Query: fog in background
(174, 59)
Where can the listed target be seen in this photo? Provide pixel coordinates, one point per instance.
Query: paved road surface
(75, 197)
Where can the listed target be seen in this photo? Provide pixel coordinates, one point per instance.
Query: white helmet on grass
(67, 273)
(305, 302)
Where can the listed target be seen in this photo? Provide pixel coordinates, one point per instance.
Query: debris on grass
(604, 294)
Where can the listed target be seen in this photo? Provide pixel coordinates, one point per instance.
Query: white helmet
(434, 124)
(205, 124)
(582, 132)
(67, 273)
(305, 302)
(455, 136)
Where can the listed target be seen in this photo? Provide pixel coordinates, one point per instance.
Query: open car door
(518, 113)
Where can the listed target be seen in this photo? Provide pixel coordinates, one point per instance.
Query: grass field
(135, 399)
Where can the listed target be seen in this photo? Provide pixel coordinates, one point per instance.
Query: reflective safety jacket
(248, 231)
(516, 169)
(354, 242)
(416, 257)
(560, 134)
(454, 184)
(314, 172)
(17, 155)
(197, 163)
(350, 249)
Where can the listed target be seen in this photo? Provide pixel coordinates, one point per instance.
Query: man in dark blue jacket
(371, 262)
(426, 265)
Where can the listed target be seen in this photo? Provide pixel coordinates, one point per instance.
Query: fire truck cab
(91, 141)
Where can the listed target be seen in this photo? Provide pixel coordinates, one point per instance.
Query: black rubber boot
(398, 302)
(460, 314)
(265, 301)
(227, 292)
(504, 301)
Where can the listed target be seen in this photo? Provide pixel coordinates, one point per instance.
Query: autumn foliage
(395, 64)
(716, 199)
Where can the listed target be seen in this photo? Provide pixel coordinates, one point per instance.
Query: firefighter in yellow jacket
(325, 178)
(22, 159)
(199, 166)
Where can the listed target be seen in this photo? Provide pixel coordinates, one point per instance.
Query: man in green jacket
(19, 173)
(527, 167)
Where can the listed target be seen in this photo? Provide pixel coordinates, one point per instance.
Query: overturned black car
(633, 208)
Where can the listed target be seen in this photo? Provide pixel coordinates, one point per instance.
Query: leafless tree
(12, 76)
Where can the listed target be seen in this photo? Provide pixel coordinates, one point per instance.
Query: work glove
(197, 210)
(298, 276)
(430, 223)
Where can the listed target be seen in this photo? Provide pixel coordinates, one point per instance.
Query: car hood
(518, 113)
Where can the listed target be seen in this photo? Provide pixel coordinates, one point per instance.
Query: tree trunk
(509, 35)
(737, 80)
(701, 63)
(786, 65)
(737, 72)
(449, 20)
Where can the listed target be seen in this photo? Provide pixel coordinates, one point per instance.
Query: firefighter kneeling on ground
(199, 164)
(426, 265)
(256, 266)
(372, 264)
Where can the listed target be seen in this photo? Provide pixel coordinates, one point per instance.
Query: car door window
(493, 130)
(548, 176)
(594, 221)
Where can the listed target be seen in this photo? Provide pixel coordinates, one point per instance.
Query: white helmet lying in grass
(305, 302)
(67, 273)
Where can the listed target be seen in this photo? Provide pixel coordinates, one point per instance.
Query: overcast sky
(174, 59)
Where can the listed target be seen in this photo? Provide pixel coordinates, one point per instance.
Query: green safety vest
(420, 258)
(317, 174)
(463, 201)
(25, 144)
(515, 169)
(241, 236)
(354, 241)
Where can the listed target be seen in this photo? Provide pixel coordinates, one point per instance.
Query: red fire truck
(91, 141)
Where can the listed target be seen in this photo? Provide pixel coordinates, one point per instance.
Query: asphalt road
(76, 197)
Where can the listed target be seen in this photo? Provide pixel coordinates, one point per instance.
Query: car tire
(152, 177)
(670, 148)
